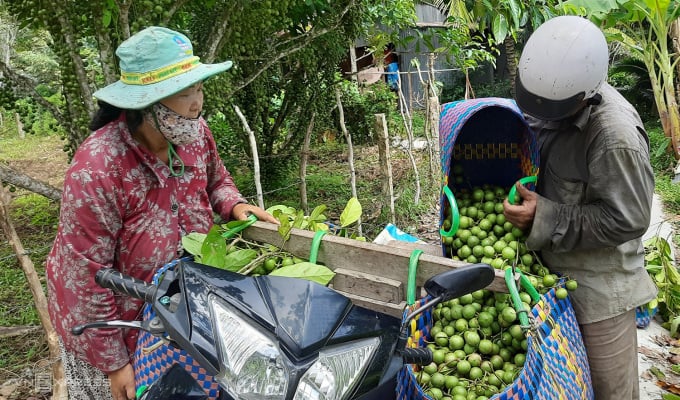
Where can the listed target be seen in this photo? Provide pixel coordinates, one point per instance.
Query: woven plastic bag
(153, 356)
(556, 365)
(644, 316)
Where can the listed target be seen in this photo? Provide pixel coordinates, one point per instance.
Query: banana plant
(503, 19)
(644, 28)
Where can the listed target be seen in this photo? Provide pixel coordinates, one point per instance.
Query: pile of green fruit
(477, 342)
(484, 235)
(478, 347)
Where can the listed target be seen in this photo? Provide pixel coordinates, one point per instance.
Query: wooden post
(20, 126)
(433, 122)
(353, 62)
(39, 299)
(304, 156)
(256, 159)
(385, 161)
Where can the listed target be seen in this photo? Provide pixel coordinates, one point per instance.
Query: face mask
(177, 129)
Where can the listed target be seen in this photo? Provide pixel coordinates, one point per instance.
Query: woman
(148, 175)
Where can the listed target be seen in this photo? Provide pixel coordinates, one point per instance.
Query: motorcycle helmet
(563, 65)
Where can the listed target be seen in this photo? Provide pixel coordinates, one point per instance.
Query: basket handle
(316, 242)
(523, 181)
(238, 226)
(412, 269)
(455, 215)
(522, 312)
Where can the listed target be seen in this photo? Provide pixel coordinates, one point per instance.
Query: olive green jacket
(596, 185)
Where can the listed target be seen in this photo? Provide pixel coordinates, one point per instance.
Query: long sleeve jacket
(121, 208)
(596, 185)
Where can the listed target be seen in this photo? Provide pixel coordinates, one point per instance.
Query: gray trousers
(612, 354)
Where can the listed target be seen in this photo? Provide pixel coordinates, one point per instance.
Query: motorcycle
(269, 337)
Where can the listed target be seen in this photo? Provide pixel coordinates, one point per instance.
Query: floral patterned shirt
(121, 208)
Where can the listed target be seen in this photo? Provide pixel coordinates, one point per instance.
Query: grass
(35, 220)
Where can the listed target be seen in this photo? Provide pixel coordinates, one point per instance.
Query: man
(594, 192)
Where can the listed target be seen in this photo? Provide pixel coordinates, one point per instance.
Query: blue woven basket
(556, 365)
(153, 356)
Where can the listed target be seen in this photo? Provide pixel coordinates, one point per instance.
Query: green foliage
(669, 193)
(660, 154)
(630, 77)
(222, 248)
(360, 107)
(660, 266)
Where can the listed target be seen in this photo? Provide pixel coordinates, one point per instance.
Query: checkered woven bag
(556, 365)
(153, 356)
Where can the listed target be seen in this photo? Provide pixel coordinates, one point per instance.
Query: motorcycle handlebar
(121, 283)
(419, 356)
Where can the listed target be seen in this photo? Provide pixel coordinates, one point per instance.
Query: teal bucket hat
(155, 63)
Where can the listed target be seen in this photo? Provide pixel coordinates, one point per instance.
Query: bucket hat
(155, 63)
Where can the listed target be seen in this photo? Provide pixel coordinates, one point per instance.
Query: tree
(271, 42)
(643, 27)
(501, 20)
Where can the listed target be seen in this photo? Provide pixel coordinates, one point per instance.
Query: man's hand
(521, 215)
(122, 383)
(241, 211)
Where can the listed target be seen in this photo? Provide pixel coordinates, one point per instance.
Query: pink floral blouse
(122, 209)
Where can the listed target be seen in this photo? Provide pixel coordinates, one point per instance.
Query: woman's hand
(122, 383)
(241, 212)
(521, 215)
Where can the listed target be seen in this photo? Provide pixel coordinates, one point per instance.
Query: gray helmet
(563, 65)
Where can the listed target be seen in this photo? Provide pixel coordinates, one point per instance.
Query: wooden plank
(381, 260)
(395, 310)
(368, 285)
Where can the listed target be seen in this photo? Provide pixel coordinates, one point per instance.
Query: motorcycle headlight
(337, 370)
(252, 366)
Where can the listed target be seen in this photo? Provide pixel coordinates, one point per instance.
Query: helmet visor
(546, 109)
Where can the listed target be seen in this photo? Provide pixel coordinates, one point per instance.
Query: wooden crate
(372, 275)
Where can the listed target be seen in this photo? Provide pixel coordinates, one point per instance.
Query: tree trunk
(69, 37)
(304, 156)
(350, 152)
(23, 181)
(511, 61)
(385, 161)
(675, 39)
(432, 133)
(256, 157)
(39, 299)
(408, 125)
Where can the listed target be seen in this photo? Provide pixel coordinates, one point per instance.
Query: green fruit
(270, 264)
(571, 285)
(287, 261)
(561, 293)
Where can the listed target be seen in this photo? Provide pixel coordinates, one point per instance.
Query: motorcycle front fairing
(303, 319)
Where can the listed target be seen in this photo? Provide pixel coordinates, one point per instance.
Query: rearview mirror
(460, 281)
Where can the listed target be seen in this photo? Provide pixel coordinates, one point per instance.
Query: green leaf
(671, 396)
(675, 322)
(238, 259)
(214, 248)
(284, 228)
(192, 242)
(306, 270)
(106, 18)
(317, 214)
(351, 213)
